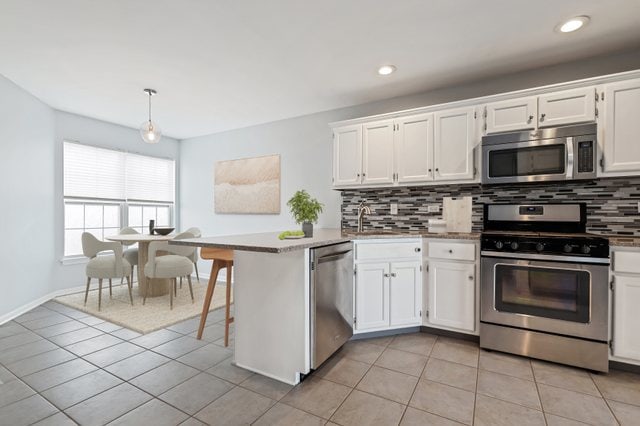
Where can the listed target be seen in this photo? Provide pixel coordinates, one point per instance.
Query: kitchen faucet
(362, 210)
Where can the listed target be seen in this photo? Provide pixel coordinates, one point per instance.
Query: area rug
(154, 315)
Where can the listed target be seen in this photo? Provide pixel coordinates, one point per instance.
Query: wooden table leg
(215, 269)
(158, 286)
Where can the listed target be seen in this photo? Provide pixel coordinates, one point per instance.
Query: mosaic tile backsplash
(612, 204)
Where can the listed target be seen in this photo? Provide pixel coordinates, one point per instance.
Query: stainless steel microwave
(554, 154)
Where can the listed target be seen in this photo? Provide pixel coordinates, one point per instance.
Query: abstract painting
(248, 185)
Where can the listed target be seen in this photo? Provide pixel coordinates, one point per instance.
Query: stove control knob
(514, 246)
(499, 245)
(539, 247)
(567, 248)
(586, 249)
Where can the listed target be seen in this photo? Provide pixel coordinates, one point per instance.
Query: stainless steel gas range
(544, 285)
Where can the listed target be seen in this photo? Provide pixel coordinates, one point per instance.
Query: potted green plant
(305, 210)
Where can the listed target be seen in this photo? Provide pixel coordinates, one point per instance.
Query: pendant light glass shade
(149, 130)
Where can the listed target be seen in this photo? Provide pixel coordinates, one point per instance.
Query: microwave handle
(570, 157)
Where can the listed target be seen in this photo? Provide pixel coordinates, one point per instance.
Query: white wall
(27, 193)
(31, 134)
(305, 146)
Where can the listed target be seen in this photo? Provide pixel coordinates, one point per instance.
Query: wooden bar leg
(190, 288)
(99, 293)
(86, 293)
(227, 320)
(215, 269)
(129, 278)
(110, 289)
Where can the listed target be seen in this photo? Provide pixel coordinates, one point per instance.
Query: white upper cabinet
(454, 142)
(405, 300)
(567, 107)
(620, 128)
(377, 159)
(413, 144)
(511, 115)
(347, 155)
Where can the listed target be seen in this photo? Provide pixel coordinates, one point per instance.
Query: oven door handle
(546, 257)
(570, 157)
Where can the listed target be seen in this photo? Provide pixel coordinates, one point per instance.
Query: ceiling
(220, 65)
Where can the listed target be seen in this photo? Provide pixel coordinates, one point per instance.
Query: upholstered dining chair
(130, 254)
(194, 257)
(176, 264)
(105, 266)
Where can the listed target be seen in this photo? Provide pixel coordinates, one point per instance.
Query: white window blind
(97, 173)
(91, 172)
(150, 178)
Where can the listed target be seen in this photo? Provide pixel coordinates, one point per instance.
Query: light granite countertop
(268, 242)
(623, 241)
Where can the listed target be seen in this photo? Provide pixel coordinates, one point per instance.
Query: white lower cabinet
(388, 286)
(452, 295)
(626, 300)
(372, 296)
(451, 288)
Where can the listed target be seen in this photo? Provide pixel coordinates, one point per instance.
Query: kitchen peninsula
(271, 299)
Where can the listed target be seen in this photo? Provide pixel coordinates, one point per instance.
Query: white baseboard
(34, 304)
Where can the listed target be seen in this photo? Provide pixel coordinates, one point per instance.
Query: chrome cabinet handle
(450, 251)
(417, 249)
(471, 277)
(530, 118)
(542, 116)
(386, 275)
(393, 274)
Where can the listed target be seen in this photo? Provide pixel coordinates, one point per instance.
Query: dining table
(157, 286)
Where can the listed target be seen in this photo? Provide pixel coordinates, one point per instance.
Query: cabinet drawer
(452, 251)
(626, 261)
(388, 251)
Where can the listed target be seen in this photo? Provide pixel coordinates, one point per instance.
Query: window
(104, 189)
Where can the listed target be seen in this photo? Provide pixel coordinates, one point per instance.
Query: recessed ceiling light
(386, 69)
(573, 24)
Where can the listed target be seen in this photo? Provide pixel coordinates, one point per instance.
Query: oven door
(563, 297)
(530, 161)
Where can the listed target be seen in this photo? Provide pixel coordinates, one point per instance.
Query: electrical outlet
(394, 208)
(433, 208)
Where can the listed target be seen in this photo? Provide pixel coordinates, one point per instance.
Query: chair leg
(146, 290)
(86, 293)
(110, 289)
(129, 278)
(171, 291)
(180, 282)
(175, 287)
(190, 288)
(99, 293)
(227, 319)
(215, 269)
(121, 280)
(197, 274)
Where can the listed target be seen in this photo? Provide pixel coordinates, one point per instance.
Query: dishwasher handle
(333, 257)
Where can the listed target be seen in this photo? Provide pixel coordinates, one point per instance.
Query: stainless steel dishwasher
(331, 298)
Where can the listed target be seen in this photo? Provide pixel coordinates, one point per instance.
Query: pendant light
(149, 130)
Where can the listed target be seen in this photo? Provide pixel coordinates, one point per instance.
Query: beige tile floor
(59, 366)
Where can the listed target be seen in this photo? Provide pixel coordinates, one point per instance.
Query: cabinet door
(511, 115)
(567, 107)
(377, 160)
(452, 295)
(372, 296)
(621, 127)
(347, 155)
(454, 142)
(405, 294)
(626, 321)
(413, 145)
